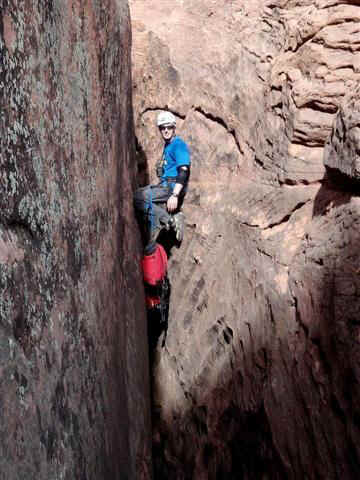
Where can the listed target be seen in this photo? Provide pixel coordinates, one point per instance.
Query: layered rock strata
(342, 151)
(73, 352)
(259, 374)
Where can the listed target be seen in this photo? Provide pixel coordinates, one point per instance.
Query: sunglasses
(166, 127)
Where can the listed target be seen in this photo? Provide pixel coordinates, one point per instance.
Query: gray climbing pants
(147, 200)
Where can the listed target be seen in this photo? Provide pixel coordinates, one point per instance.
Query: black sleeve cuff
(183, 174)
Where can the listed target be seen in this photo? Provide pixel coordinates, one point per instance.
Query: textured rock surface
(73, 354)
(342, 151)
(259, 377)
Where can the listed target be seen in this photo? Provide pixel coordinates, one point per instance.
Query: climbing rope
(164, 300)
(150, 212)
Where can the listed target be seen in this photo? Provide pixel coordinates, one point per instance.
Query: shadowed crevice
(220, 121)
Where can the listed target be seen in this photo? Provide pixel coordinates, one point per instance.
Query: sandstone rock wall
(259, 377)
(74, 396)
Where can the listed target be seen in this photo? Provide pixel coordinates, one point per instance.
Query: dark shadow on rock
(336, 189)
(158, 320)
(143, 176)
(310, 428)
(168, 241)
(246, 449)
(328, 307)
(338, 344)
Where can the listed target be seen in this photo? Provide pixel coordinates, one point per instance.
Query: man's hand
(172, 203)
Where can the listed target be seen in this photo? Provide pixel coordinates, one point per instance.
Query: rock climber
(173, 170)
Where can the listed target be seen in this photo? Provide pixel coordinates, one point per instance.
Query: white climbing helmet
(166, 118)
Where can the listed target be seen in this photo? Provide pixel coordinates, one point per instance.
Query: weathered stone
(259, 376)
(342, 151)
(74, 396)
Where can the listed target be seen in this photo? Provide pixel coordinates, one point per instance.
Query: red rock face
(259, 377)
(73, 352)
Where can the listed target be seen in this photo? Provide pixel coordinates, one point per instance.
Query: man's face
(167, 132)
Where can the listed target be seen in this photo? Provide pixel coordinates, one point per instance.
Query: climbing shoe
(178, 225)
